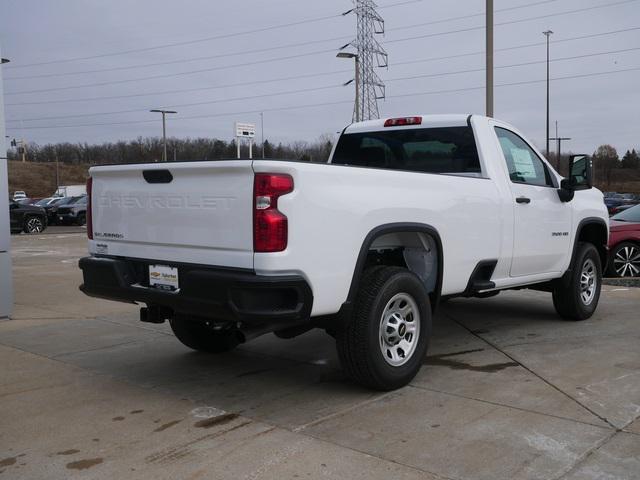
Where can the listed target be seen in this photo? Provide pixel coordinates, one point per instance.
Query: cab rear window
(444, 150)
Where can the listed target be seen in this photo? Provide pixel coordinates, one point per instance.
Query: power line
(174, 62)
(253, 97)
(511, 22)
(186, 90)
(294, 107)
(169, 75)
(517, 47)
(288, 57)
(472, 15)
(176, 105)
(206, 39)
(311, 75)
(253, 51)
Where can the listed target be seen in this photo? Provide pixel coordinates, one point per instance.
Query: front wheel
(203, 338)
(579, 299)
(385, 342)
(33, 225)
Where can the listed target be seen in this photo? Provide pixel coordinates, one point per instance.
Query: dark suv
(74, 212)
(27, 218)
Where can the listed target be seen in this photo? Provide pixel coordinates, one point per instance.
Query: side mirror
(580, 177)
(580, 172)
(13, 205)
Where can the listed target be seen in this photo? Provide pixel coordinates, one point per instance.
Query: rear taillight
(89, 216)
(270, 227)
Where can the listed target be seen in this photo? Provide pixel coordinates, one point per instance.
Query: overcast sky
(57, 35)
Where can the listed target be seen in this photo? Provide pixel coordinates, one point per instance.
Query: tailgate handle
(157, 176)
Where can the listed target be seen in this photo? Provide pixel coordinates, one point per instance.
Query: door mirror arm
(566, 190)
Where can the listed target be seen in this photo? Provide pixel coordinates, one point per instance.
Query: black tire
(33, 225)
(199, 336)
(624, 260)
(568, 300)
(360, 342)
(82, 219)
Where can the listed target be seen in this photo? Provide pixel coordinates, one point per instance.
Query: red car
(624, 243)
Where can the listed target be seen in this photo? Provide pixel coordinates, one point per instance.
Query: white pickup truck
(406, 212)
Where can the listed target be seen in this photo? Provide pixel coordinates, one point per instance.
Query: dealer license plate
(163, 277)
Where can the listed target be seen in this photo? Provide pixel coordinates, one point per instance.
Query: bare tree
(605, 160)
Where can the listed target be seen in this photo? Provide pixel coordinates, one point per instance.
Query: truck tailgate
(189, 212)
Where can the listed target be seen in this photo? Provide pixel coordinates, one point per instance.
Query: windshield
(66, 201)
(629, 215)
(43, 202)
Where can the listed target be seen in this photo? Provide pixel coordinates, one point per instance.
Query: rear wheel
(384, 344)
(579, 299)
(203, 338)
(625, 260)
(33, 225)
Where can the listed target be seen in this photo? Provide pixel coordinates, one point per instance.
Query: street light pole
(548, 33)
(489, 58)
(356, 80)
(164, 131)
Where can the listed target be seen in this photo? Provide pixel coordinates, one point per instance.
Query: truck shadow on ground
(297, 380)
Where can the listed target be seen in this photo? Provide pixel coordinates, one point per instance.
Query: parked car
(49, 205)
(74, 212)
(52, 207)
(624, 243)
(618, 199)
(622, 208)
(46, 201)
(19, 194)
(26, 218)
(407, 210)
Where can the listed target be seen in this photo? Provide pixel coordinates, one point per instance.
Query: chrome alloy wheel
(588, 281)
(34, 225)
(399, 329)
(626, 263)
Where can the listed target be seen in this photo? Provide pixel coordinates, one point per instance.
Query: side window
(523, 163)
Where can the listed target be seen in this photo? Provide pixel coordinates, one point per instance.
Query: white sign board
(246, 130)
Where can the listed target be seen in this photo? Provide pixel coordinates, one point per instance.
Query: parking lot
(508, 391)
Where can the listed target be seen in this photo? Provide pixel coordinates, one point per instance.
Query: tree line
(605, 159)
(150, 149)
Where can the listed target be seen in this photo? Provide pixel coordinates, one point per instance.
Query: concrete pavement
(508, 391)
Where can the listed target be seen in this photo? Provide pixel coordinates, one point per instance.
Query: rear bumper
(205, 292)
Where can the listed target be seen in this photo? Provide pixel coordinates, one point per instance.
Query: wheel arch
(398, 228)
(592, 230)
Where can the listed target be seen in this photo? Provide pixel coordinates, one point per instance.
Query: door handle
(523, 200)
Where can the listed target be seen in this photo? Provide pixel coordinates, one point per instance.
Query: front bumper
(204, 291)
(66, 218)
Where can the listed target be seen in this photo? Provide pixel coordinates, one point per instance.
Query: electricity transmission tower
(370, 55)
